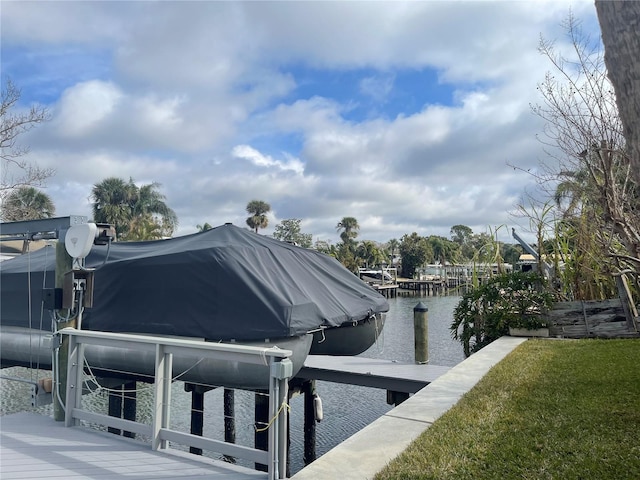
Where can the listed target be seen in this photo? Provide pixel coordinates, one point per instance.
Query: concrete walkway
(364, 454)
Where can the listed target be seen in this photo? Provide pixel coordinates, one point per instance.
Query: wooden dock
(422, 287)
(34, 446)
(370, 372)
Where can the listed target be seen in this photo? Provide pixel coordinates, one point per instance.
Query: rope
(282, 407)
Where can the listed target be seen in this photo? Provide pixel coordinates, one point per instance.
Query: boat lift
(547, 269)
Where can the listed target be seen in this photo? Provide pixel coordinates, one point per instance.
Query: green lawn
(552, 409)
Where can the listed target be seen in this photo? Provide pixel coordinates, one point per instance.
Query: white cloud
(84, 106)
(255, 157)
(207, 99)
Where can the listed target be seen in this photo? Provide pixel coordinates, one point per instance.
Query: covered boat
(225, 284)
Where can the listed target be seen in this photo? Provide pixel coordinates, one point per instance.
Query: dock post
(197, 412)
(129, 405)
(229, 420)
(64, 263)
(421, 333)
(115, 407)
(261, 412)
(309, 389)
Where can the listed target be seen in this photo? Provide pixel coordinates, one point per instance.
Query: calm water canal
(347, 409)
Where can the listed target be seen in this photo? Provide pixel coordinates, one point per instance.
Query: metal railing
(280, 370)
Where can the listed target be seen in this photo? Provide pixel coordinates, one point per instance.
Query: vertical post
(421, 333)
(73, 366)
(129, 405)
(162, 396)
(64, 263)
(115, 407)
(272, 432)
(197, 416)
(282, 422)
(261, 412)
(229, 420)
(309, 454)
(280, 371)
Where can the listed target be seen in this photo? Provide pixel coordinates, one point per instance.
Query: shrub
(485, 313)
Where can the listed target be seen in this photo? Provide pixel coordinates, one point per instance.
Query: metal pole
(261, 411)
(421, 333)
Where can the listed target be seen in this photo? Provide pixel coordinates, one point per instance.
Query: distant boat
(376, 276)
(226, 284)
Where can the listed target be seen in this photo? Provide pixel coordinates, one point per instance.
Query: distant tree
(149, 202)
(123, 203)
(370, 254)
(16, 171)
(258, 211)
(289, 230)
(27, 203)
(144, 227)
(348, 228)
(347, 257)
(392, 247)
(511, 252)
(415, 252)
(461, 234)
(204, 228)
(324, 246)
(444, 250)
(112, 203)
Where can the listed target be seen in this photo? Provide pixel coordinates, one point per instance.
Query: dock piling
(421, 333)
(309, 390)
(229, 420)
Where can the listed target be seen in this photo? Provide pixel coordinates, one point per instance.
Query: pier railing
(280, 370)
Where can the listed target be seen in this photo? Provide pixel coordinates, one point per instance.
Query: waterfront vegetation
(486, 311)
(552, 409)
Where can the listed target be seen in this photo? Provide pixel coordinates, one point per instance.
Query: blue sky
(406, 115)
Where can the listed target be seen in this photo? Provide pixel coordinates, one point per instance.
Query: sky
(408, 116)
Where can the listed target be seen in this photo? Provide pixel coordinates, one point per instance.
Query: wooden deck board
(35, 446)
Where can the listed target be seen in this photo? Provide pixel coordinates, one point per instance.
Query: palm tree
(369, 253)
(113, 199)
(392, 245)
(258, 211)
(348, 228)
(150, 202)
(122, 203)
(144, 227)
(27, 203)
(205, 227)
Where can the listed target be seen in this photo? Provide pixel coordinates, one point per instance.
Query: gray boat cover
(222, 284)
